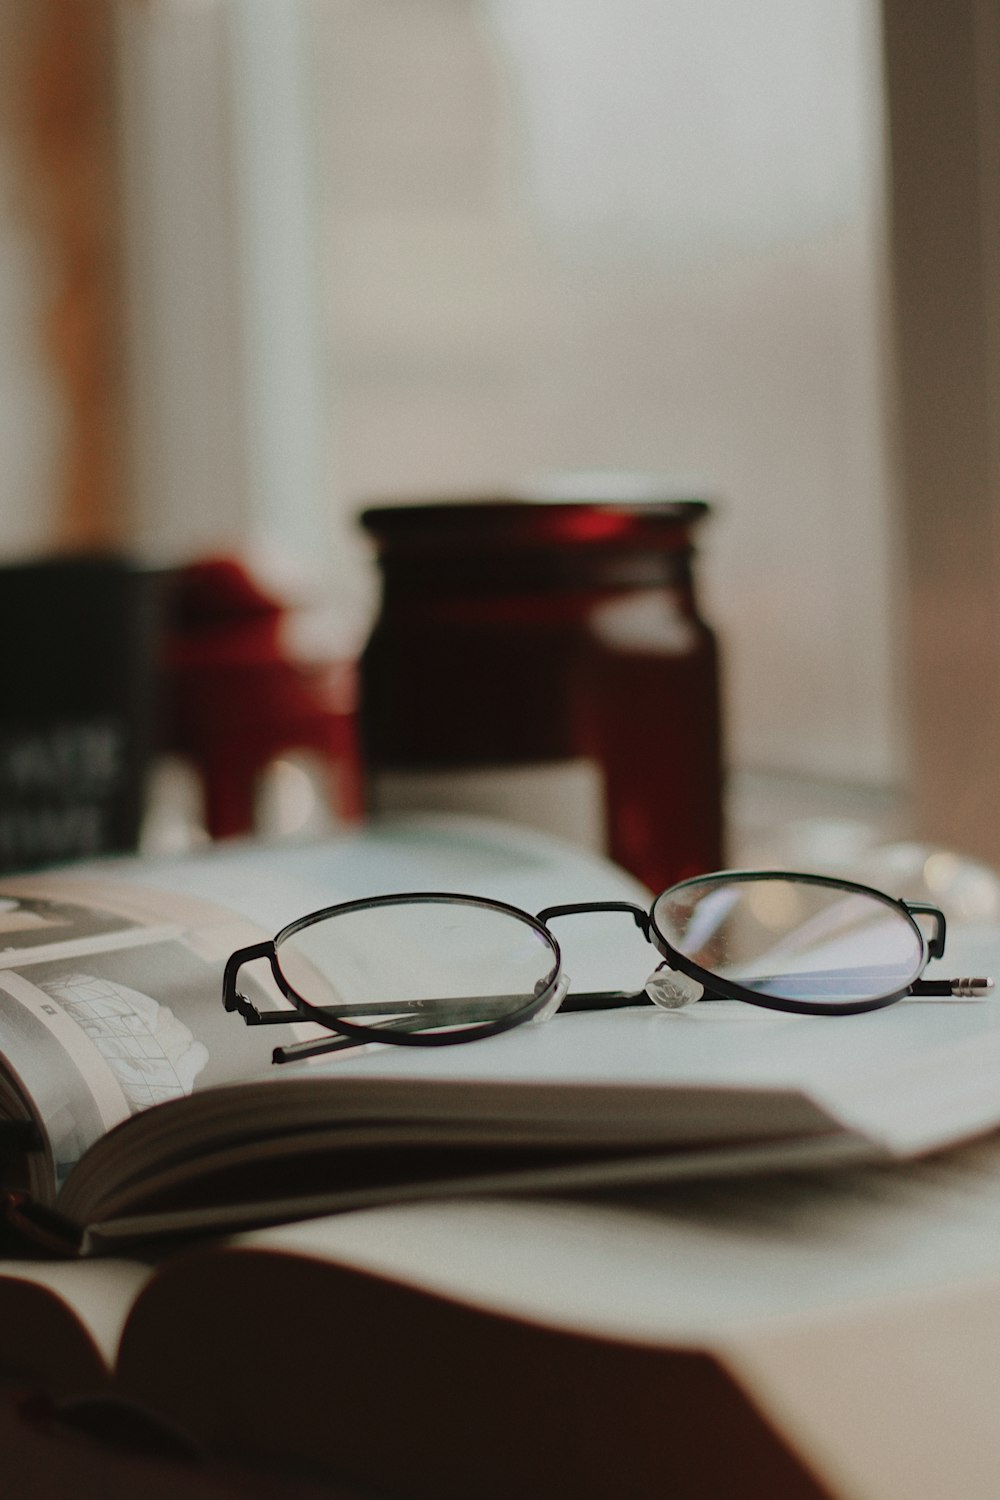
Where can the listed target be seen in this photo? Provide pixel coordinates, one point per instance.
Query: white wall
(229, 398)
(380, 247)
(638, 233)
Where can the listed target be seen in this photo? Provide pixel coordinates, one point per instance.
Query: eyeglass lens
(792, 939)
(420, 964)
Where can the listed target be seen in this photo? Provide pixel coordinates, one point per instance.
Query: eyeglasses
(430, 968)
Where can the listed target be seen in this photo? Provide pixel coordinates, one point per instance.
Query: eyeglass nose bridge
(638, 915)
(601, 999)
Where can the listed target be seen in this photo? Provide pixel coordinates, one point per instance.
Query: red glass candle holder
(548, 662)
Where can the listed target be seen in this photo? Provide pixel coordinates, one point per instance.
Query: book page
(859, 1311)
(920, 1074)
(590, 1099)
(109, 1003)
(61, 1321)
(274, 884)
(111, 974)
(689, 1263)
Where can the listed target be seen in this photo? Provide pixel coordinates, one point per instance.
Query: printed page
(109, 1003)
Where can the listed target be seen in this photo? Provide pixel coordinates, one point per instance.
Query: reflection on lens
(777, 904)
(419, 964)
(793, 939)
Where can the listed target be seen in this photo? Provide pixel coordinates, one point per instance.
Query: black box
(78, 638)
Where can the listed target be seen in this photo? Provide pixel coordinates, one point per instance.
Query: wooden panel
(943, 82)
(69, 174)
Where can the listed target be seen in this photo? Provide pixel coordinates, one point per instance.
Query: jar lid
(513, 522)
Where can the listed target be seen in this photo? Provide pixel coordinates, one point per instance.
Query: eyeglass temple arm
(451, 1008)
(441, 1012)
(253, 1016)
(298, 1051)
(963, 988)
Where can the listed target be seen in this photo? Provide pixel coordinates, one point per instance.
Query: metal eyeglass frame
(552, 995)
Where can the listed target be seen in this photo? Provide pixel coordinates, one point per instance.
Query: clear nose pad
(670, 989)
(554, 1001)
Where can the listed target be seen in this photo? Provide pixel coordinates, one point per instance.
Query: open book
(827, 1335)
(133, 1108)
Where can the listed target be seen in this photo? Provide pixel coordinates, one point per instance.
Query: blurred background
(264, 261)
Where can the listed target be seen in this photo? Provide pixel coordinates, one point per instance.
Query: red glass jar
(547, 662)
